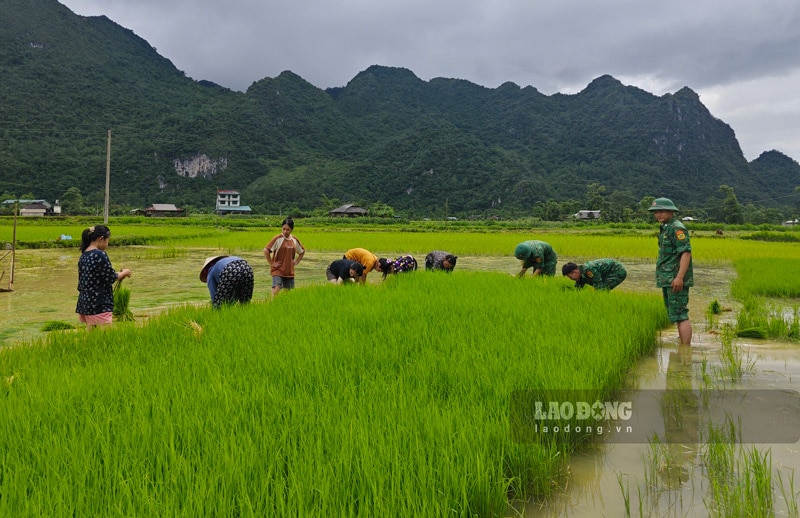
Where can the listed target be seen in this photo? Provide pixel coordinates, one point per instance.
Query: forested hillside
(387, 136)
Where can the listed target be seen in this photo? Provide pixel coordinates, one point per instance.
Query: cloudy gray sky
(741, 56)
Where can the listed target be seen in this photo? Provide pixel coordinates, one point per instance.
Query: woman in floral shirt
(96, 278)
(403, 264)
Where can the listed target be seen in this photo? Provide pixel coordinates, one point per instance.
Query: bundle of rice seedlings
(753, 332)
(56, 325)
(122, 298)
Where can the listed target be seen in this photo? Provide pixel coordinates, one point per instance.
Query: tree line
(617, 206)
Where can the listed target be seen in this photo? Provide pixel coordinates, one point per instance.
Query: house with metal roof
(349, 210)
(34, 208)
(587, 214)
(160, 210)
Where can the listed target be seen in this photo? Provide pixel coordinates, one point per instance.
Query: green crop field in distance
(767, 276)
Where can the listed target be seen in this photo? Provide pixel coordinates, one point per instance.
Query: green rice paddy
(768, 277)
(331, 400)
(765, 287)
(385, 399)
(402, 238)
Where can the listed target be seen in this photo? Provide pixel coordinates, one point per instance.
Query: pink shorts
(96, 320)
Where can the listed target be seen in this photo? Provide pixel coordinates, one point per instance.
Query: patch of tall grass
(56, 325)
(735, 362)
(769, 277)
(740, 483)
(39, 236)
(758, 280)
(790, 495)
(760, 318)
(582, 246)
(360, 400)
(459, 243)
(773, 236)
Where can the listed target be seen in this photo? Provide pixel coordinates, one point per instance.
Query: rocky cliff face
(200, 166)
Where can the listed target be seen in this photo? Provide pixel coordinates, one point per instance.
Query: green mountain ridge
(387, 136)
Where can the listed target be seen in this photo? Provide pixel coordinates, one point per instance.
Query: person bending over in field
(368, 260)
(439, 260)
(601, 274)
(403, 264)
(343, 270)
(229, 279)
(537, 255)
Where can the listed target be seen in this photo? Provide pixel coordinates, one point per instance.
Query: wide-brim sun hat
(210, 261)
(663, 204)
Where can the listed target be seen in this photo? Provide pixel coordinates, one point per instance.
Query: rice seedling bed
(387, 399)
(767, 287)
(768, 277)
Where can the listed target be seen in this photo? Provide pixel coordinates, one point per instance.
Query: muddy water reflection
(670, 479)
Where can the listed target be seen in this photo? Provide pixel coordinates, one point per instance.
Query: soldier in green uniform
(537, 255)
(674, 266)
(601, 274)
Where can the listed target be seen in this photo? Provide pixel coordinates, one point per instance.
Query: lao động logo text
(672, 416)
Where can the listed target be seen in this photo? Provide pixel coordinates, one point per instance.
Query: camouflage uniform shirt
(602, 274)
(542, 257)
(673, 241)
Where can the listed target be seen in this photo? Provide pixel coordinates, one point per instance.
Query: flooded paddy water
(617, 479)
(605, 480)
(46, 280)
(669, 478)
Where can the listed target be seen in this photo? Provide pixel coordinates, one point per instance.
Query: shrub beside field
(332, 400)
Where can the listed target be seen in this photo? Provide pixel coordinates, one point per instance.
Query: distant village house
(587, 214)
(349, 210)
(160, 210)
(35, 208)
(229, 202)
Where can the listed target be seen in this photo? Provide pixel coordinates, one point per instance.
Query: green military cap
(663, 204)
(522, 251)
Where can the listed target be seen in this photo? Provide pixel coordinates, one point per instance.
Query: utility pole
(13, 247)
(12, 252)
(108, 177)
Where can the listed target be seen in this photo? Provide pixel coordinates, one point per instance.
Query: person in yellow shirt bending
(370, 262)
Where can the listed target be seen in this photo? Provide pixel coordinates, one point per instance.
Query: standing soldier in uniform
(674, 266)
(601, 274)
(537, 255)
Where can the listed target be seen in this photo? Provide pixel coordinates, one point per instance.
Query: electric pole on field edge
(108, 177)
(13, 251)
